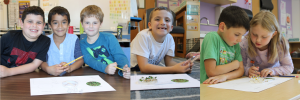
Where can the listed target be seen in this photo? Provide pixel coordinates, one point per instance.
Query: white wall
(296, 18)
(3, 15)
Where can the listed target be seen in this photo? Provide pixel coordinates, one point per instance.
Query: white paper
(244, 84)
(283, 7)
(141, 4)
(162, 4)
(163, 82)
(163, 0)
(173, 4)
(283, 19)
(289, 34)
(34, 3)
(296, 97)
(54, 85)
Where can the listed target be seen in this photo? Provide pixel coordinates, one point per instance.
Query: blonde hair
(268, 21)
(91, 11)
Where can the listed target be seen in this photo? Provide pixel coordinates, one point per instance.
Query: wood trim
(256, 7)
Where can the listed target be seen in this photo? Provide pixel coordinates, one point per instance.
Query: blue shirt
(104, 51)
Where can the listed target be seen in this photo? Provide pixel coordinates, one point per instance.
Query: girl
(264, 50)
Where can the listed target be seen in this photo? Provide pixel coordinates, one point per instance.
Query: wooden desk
(283, 91)
(18, 87)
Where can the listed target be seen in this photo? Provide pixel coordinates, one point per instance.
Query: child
(23, 51)
(101, 51)
(220, 57)
(152, 45)
(266, 46)
(64, 47)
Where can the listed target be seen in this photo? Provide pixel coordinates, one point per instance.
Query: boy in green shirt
(220, 57)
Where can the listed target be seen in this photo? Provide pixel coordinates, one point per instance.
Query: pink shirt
(283, 65)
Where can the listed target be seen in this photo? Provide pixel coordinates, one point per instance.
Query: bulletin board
(15, 9)
(114, 10)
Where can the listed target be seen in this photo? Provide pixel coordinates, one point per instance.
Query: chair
(178, 34)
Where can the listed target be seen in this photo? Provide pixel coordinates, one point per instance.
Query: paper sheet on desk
(244, 84)
(163, 82)
(56, 85)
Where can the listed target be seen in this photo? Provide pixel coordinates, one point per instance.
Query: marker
(288, 76)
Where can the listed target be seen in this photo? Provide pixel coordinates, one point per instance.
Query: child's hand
(253, 71)
(66, 68)
(191, 65)
(266, 72)
(55, 69)
(4, 71)
(215, 80)
(126, 72)
(182, 67)
(111, 68)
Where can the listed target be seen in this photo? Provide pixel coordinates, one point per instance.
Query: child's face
(59, 25)
(33, 26)
(261, 37)
(161, 22)
(91, 25)
(233, 35)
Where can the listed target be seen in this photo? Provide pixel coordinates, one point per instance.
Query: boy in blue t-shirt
(220, 57)
(64, 47)
(101, 51)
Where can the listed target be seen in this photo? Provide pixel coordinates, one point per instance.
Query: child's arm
(26, 68)
(230, 75)
(77, 53)
(213, 70)
(53, 70)
(145, 67)
(286, 65)
(169, 61)
(117, 53)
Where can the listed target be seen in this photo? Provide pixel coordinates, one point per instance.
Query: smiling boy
(22, 51)
(64, 47)
(152, 45)
(101, 51)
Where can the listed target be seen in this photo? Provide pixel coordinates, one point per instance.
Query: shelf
(208, 24)
(295, 58)
(219, 2)
(295, 42)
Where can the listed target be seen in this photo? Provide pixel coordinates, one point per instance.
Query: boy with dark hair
(23, 51)
(220, 57)
(64, 47)
(151, 46)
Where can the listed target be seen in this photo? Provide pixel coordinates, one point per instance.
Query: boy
(101, 51)
(220, 57)
(152, 45)
(23, 51)
(64, 47)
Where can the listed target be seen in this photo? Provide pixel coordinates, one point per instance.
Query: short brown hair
(161, 8)
(92, 11)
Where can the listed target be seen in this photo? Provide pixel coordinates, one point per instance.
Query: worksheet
(68, 84)
(165, 81)
(247, 84)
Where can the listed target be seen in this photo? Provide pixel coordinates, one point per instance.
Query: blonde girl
(264, 50)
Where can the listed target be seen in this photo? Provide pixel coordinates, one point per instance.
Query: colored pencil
(73, 61)
(288, 76)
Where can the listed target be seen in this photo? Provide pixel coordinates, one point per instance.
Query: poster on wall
(22, 6)
(288, 19)
(173, 4)
(282, 13)
(192, 17)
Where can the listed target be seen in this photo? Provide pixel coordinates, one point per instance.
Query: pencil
(288, 76)
(73, 61)
(119, 68)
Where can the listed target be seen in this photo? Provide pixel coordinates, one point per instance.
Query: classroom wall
(208, 10)
(3, 15)
(288, 10)
(296, 18)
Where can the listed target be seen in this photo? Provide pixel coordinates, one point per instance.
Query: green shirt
(214, 47)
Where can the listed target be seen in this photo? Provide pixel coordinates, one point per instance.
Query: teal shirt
(214, 47)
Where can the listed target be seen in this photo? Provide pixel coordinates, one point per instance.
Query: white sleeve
(171, 50)
(139, 45)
